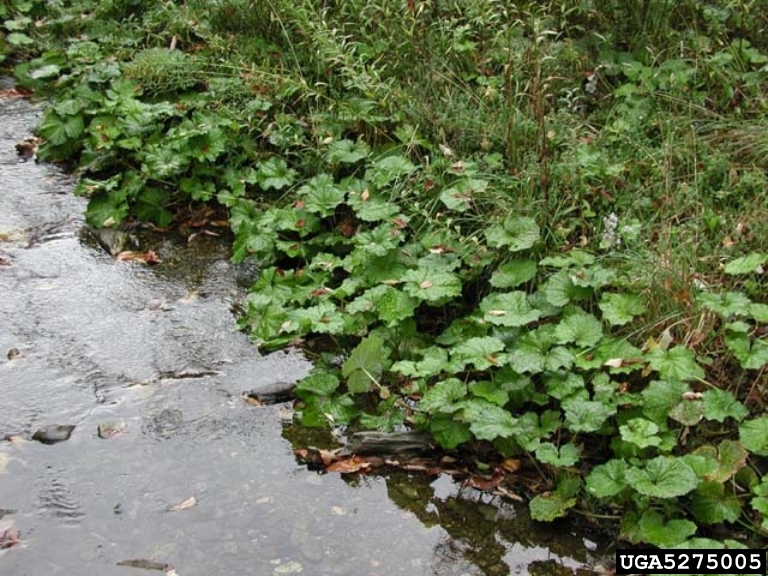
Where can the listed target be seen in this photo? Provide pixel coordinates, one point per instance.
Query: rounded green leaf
(711, 505)
(663, 477)
(754, 435)
(510, 309)
(640, 432)
(432, 286)
(551, 507)
(492, 422)
(607, 479)
(513, 273)
(515, 233)
(620, 309)
(584, 330)
(566, 455)
(720, 404)
(750, 264)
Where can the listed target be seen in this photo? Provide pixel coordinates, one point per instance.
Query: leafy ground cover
(537, 228)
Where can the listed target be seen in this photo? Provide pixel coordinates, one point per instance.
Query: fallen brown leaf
(15, 93)
(10, 538)
(349, 465)
(483, 483)
(511, 465)
(148, 257)
(188, 503)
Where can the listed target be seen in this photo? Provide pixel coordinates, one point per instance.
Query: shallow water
(155, 349)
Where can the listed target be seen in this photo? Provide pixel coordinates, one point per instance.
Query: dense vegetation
(536, 226)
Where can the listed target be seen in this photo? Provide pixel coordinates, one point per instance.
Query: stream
(189, 479)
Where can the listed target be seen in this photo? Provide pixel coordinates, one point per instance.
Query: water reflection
(479, 533)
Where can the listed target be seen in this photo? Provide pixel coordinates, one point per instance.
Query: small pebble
(53, 433)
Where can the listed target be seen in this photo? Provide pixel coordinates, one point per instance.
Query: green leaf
(265, 318)
(720, 404)
(729, 457)
(385, 170)
(566, 455)
(754, 435)
(688, 412)
(490, 391)
(321, 195)
(701, 465)
(322, 411)
(560, 290)
(562, 385)
(460, 196)
(275, 174)
(324, 318)
(607, 480)
(434, 361)
(161, 161)
(710, 504)
(516, 233)
(509, 309)
(555, 505)
(593, 277)
(449, 432)
(759, 312)
(652, 529)
(150, 206)
(18, 23)
(579, 328)
(727, 304)
(19, 39)
(317, 384)
(346, 152)
(760, 501)
(444, 396)
(620, 309)
(663, 477)
(59, 130)
(676, 364)
(640, 432)
(432, 286)
(585, 415)
(513, 273)
(527, 359)
(369, 206)
(388, 303)
(752, 353)
(660, 397)
(571, 258)
(481, 352)
(492, 422)
(617, 354)
(49, 71)
(750, 264)
(365, 364)
(376, 242)
(107, 209)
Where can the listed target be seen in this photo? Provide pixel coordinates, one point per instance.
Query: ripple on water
(55, 497)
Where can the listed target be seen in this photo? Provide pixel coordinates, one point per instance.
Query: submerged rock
(272, 393)
(111, 240)
(108, 429)
(53, 433)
